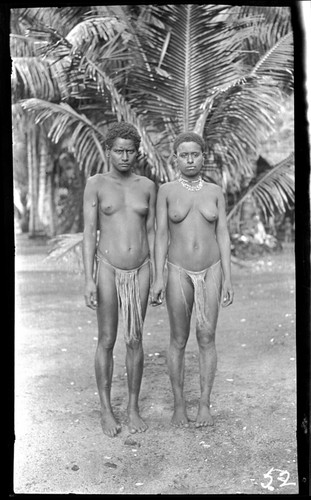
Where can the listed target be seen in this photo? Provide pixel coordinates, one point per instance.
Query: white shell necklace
(191, 185)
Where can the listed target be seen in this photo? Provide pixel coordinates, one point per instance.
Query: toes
(180, 424)
(204, 423)
(133, 430)
(112, 432)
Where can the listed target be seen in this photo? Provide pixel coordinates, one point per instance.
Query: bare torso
(192, 218)
(122, 212)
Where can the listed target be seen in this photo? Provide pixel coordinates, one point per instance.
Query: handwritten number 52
(283, 477)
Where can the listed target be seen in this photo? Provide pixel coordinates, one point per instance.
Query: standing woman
(121, 205)
(192, 235)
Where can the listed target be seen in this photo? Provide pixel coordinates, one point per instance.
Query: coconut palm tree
(219, 70)
(271, 189)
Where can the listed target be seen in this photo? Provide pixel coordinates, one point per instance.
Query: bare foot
(109, 424)
(179, 418)
(204, 417)
(135, 422)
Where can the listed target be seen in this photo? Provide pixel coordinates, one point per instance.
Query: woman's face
(123, 154)
(189, 158)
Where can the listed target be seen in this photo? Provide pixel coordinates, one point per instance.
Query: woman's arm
(90, 207)
(161, 244)
(223, 239)
(150, 226)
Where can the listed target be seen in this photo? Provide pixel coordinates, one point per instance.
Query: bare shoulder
(168, 187)
(96, 179)
(213, 188)
(95, 184)
(162, 191)
(146, 182)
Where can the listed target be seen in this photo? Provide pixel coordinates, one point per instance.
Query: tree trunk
(42, 220)
(32, 178)
(51, 203)
(248, 211)
(46, 205)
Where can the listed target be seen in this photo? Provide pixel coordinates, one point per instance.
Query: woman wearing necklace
(193, 238)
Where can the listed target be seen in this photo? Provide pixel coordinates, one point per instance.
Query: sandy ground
(60, 447)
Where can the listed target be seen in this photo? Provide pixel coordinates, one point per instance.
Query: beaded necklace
(191, 185)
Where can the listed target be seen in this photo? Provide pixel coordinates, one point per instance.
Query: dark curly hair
(125, 131)
(188, 137)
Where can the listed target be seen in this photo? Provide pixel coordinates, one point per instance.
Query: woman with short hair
(192, 235)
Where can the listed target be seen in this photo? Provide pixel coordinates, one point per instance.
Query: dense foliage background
(223, 71)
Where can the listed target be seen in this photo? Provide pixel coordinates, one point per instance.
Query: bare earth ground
(60, 447)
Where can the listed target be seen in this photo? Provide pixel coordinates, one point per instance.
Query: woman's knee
(134, 346)
(179, 341)
(107, 339)
(206, 338)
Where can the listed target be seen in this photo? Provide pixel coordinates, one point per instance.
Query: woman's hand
(90, 294)
(157, 293)
(227, 293)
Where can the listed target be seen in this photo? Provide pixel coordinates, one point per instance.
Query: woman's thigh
(213, 282)
(179, 300)
(144, 287)
(107, 309)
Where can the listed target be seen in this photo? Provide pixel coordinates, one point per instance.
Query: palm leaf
(95, 71)
(231, 103)
(273, 190)
(277, 63)
(67, 248)
(35, 77)
(56, 18)
(186, 51)
(85, 138)
(273, 23)
(238, 122)
(193, 53)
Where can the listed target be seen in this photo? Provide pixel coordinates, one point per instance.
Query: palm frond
(273, 23)
(67, 249)
(22, 46)
(239, 121)
(57, 18)
(185, 52)
(32, 77)
(272, 191)
(85, 138)
(277, 63)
